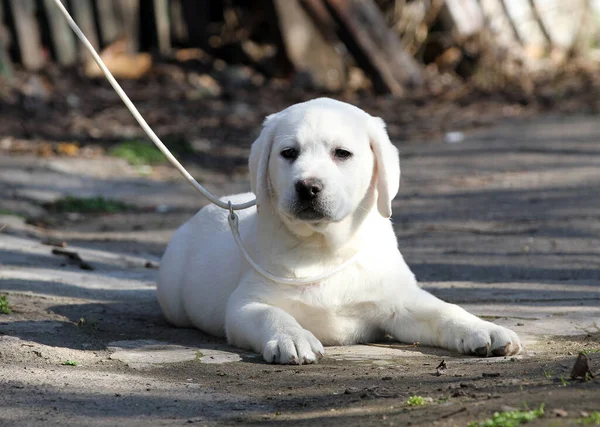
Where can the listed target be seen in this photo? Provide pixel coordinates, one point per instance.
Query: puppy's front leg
(421, 317)
(271, 331)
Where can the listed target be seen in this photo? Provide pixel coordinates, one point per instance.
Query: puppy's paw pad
(296, 347)
(492, 340)
(502, 351)
(481, 351)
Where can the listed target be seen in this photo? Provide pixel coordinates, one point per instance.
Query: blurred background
(205, 73)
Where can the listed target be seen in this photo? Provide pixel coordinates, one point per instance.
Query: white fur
(205, 282)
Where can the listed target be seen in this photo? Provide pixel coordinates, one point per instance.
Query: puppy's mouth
(310, 213)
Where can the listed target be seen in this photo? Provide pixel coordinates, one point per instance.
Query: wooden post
(61, 35)
(318, 12)
(180, 32)
(163, 26)
(306, 47)
(131, 24)
(83, 13)
(28, 34)
(376, 48)
(465, 16)
(541, 24)
(511, 23)
(6, 68)
(109, 24)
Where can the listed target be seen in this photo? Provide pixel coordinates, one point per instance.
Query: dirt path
(506, 223)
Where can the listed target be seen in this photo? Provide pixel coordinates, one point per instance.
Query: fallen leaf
(54, 242)
(120, 62)
(581, 368)
(45, 150)
(68, 149)
(69, 254)
(73, 256)
(441, 368)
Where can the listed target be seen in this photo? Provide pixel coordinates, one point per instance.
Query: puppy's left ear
(258, 162)
(387, 163)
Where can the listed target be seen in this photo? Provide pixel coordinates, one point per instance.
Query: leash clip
(231, 211)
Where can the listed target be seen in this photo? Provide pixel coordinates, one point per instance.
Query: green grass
(4, 305)
(586, 352)
(138, 153)
(70, 363)
(592, 419)
(510, 418)
(415, 401)
(10, 213)
(87, 205)
(142, 152)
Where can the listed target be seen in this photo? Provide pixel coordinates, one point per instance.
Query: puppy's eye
(289, 154)
(342, 154)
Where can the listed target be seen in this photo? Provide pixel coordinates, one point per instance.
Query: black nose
(309, 189)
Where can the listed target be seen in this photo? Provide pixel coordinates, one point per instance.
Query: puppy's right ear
(388, 166)
(258, 163)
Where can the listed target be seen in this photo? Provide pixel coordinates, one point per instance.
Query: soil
(504, 221)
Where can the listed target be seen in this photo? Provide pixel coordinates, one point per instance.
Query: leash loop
(233, 221)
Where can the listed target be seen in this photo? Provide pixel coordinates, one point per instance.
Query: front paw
(293, 347)
(488, 339)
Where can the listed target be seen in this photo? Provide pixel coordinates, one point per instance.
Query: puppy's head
(316, 162)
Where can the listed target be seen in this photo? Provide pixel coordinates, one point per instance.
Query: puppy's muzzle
(308, 189)
(308, 205)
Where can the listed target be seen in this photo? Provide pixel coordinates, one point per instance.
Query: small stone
(74, 216)
(581, 369)
(559, 412)
(454, 137)
(490, 374)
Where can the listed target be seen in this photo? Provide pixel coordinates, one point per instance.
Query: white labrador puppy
(324, 174)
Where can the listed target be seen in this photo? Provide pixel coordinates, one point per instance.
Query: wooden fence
(34, 32)
(319, 37)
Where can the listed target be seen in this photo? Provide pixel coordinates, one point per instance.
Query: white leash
(232, 217)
